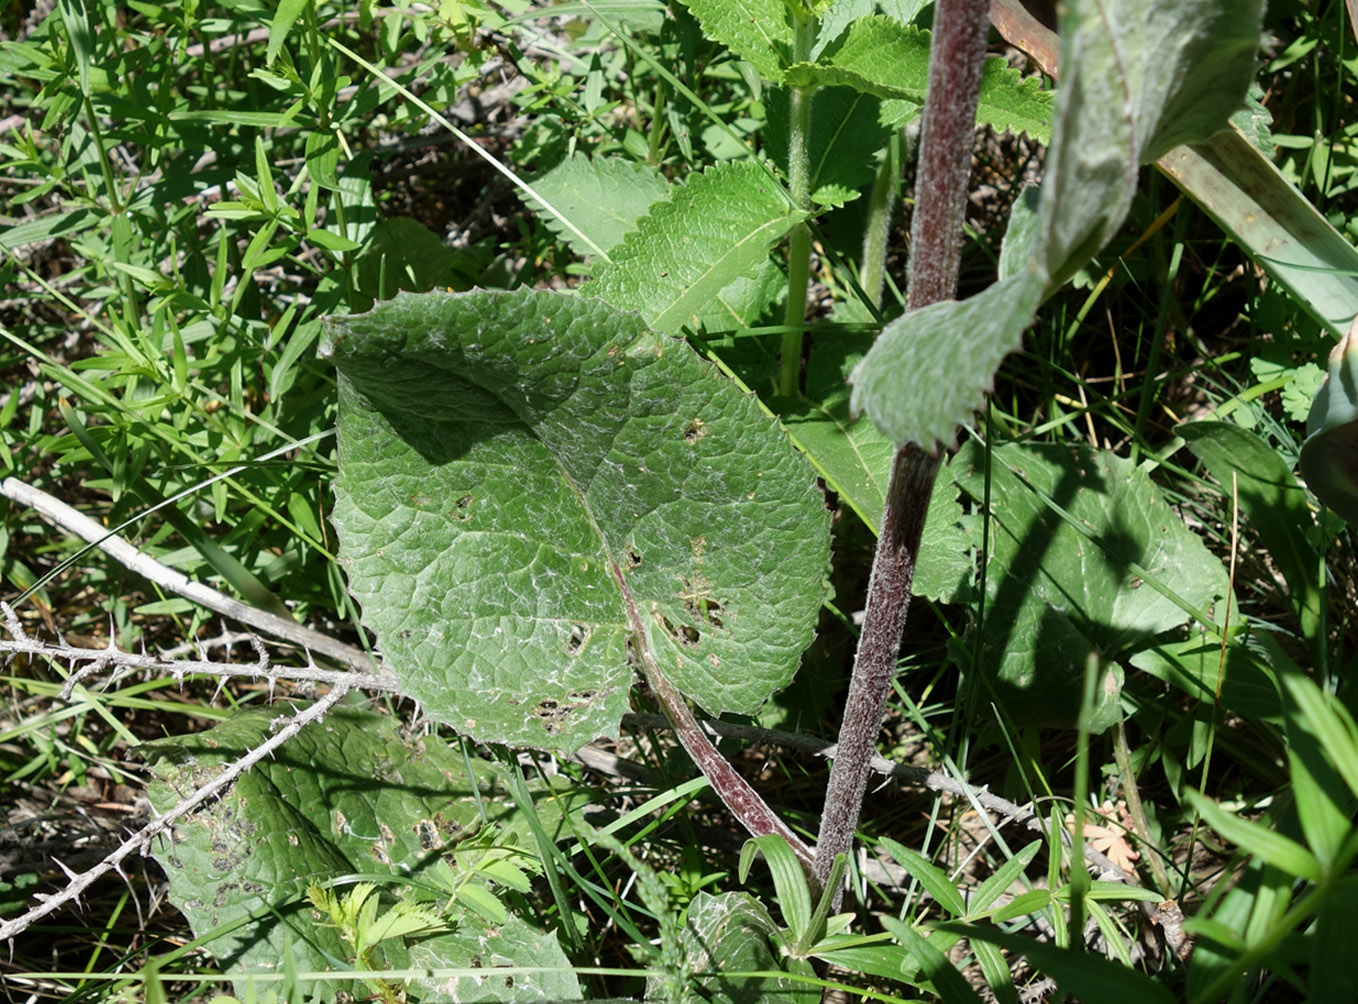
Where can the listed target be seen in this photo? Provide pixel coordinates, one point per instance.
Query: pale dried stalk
(77, 523)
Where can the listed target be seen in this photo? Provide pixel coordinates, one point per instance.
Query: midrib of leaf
(709, 283)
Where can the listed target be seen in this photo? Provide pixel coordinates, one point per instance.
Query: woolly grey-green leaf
(534, 488)
(1138, 76)
(345, 796)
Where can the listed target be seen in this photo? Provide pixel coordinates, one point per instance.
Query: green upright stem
(872, 273)
(799, 241)
(955, 61)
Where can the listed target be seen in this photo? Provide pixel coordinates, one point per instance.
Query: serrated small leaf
(482, 902)
(708, 233)
(603, 197)
(531, 484)
(888, 59)
(929, 371)
(402, 919)
(756, 30)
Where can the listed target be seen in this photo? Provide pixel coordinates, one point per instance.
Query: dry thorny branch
(85, 664)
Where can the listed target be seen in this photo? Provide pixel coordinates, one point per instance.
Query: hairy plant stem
(799, 241)
(949, 122)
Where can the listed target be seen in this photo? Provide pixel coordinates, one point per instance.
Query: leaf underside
(533, 485)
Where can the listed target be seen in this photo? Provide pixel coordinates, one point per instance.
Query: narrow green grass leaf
(531, 484)
(1258, 840)
(709, 232)
(1273, 505)
(75, 18)
(1004, 876)
(284, 18)
(1331, 723)
(929, 875)
(789, 881)
(756, 30)
(1334, 977)
(947, 981)
(603, 197)
(1251, 200)
(1088, 977)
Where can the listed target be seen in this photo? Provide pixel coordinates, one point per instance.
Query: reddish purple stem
(942, 182)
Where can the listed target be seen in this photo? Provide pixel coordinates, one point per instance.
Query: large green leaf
(959, 345)
(546, 975)
(1138, 77)
(1084, 556)
(535, 489)
(731, 933)
(351, 795)
(755, 30)
(604, 197)
(710, 232)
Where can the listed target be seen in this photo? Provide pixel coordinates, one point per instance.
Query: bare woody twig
(141, 840)
(58, 512)
(87, 662)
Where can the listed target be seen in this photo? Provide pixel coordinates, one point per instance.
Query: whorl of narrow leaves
(535, 489)
(1138, 76)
